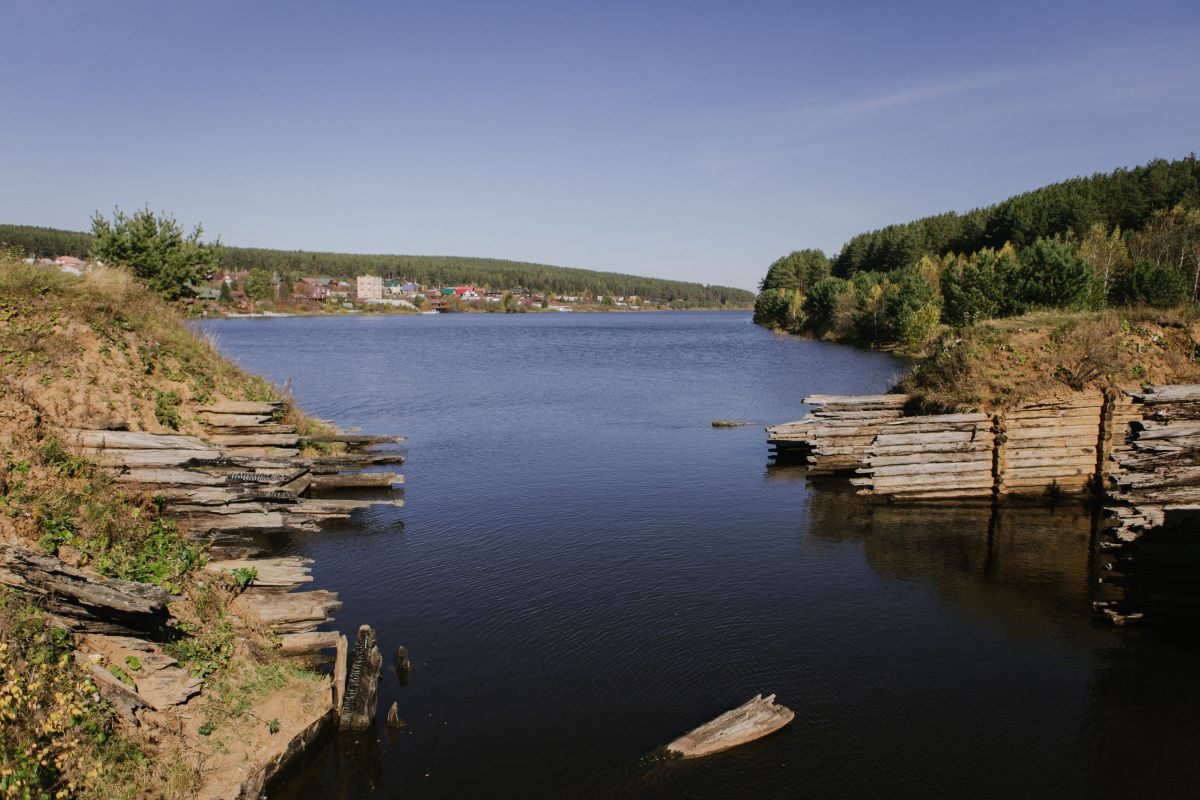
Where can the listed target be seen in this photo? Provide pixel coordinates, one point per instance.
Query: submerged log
(729, 423)
(753, 720)
(393, 717)
(84, 601)
(361, 697)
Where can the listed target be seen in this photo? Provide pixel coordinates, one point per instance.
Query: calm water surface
(585, 569)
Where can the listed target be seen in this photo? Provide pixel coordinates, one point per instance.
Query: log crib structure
(246, 477)
(1138, 452)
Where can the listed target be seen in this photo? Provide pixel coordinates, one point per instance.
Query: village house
(311, 288)
(369, 287)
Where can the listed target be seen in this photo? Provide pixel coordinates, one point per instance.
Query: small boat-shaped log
(754, 720)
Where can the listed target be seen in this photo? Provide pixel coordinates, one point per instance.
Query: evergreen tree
(155, 250)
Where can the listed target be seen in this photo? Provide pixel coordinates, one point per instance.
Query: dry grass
(1000, 363)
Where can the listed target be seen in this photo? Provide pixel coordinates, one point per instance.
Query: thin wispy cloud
(1042, 86)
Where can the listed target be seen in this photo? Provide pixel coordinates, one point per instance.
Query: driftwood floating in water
(753, 720)
(361, 697)
(729, 423)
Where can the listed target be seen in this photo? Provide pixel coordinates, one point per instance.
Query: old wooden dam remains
(245, 480)
(1136, 452)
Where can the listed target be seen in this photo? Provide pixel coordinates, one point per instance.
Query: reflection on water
(1023, 565)
(586, 569)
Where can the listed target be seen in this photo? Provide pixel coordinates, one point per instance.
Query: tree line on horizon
(1128, 237)
(429, 270)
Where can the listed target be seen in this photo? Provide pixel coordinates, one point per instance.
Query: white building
(370, 287)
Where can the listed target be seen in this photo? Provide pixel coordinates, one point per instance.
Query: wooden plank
(293, 611)
(980, 455)
(933, 447)
(1175, 393)
(1056, 471)
(943, 494)
(919, 470)
(1088, 433)
(1092, 421)
(1160, 430)
(278, 453)
(250, 430)
(133, 440)
(953, 480)
(256, 440)
(234, 420)
(175, 477)
(356, 459)
(242, 407)
(271, 573)
(85, 601)
(153, 458)
(353, 438)
(958, 437)
(299, 644)
(880, 415)
(855, 400)
(1023, 463)
(361, 480)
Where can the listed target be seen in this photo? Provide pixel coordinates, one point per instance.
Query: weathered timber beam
(361, 480)
(233, 420)
(166, 475)
(94, 602)
(300, 644)
(242, 407)
(855, 400)
(353, 438)
(133, 440)
(356, 459)
(271, 573)
(256, 440)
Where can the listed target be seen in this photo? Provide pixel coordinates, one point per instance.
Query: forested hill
(1123, 198)
(429, 270)
(1126, 238)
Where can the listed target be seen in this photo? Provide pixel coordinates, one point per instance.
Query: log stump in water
(361, 697)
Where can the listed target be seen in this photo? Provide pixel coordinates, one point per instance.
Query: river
(585, 569)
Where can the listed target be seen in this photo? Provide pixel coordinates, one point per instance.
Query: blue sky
(690, 140)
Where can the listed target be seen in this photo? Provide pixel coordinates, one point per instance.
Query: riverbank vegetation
(93, 351)
(428, 270)
(1126, 241)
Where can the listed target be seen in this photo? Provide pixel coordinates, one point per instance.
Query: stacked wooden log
(1153, 552)
(1050, 447)
(246, 476)
(932, 457)
(82, 600)
(837, 435)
